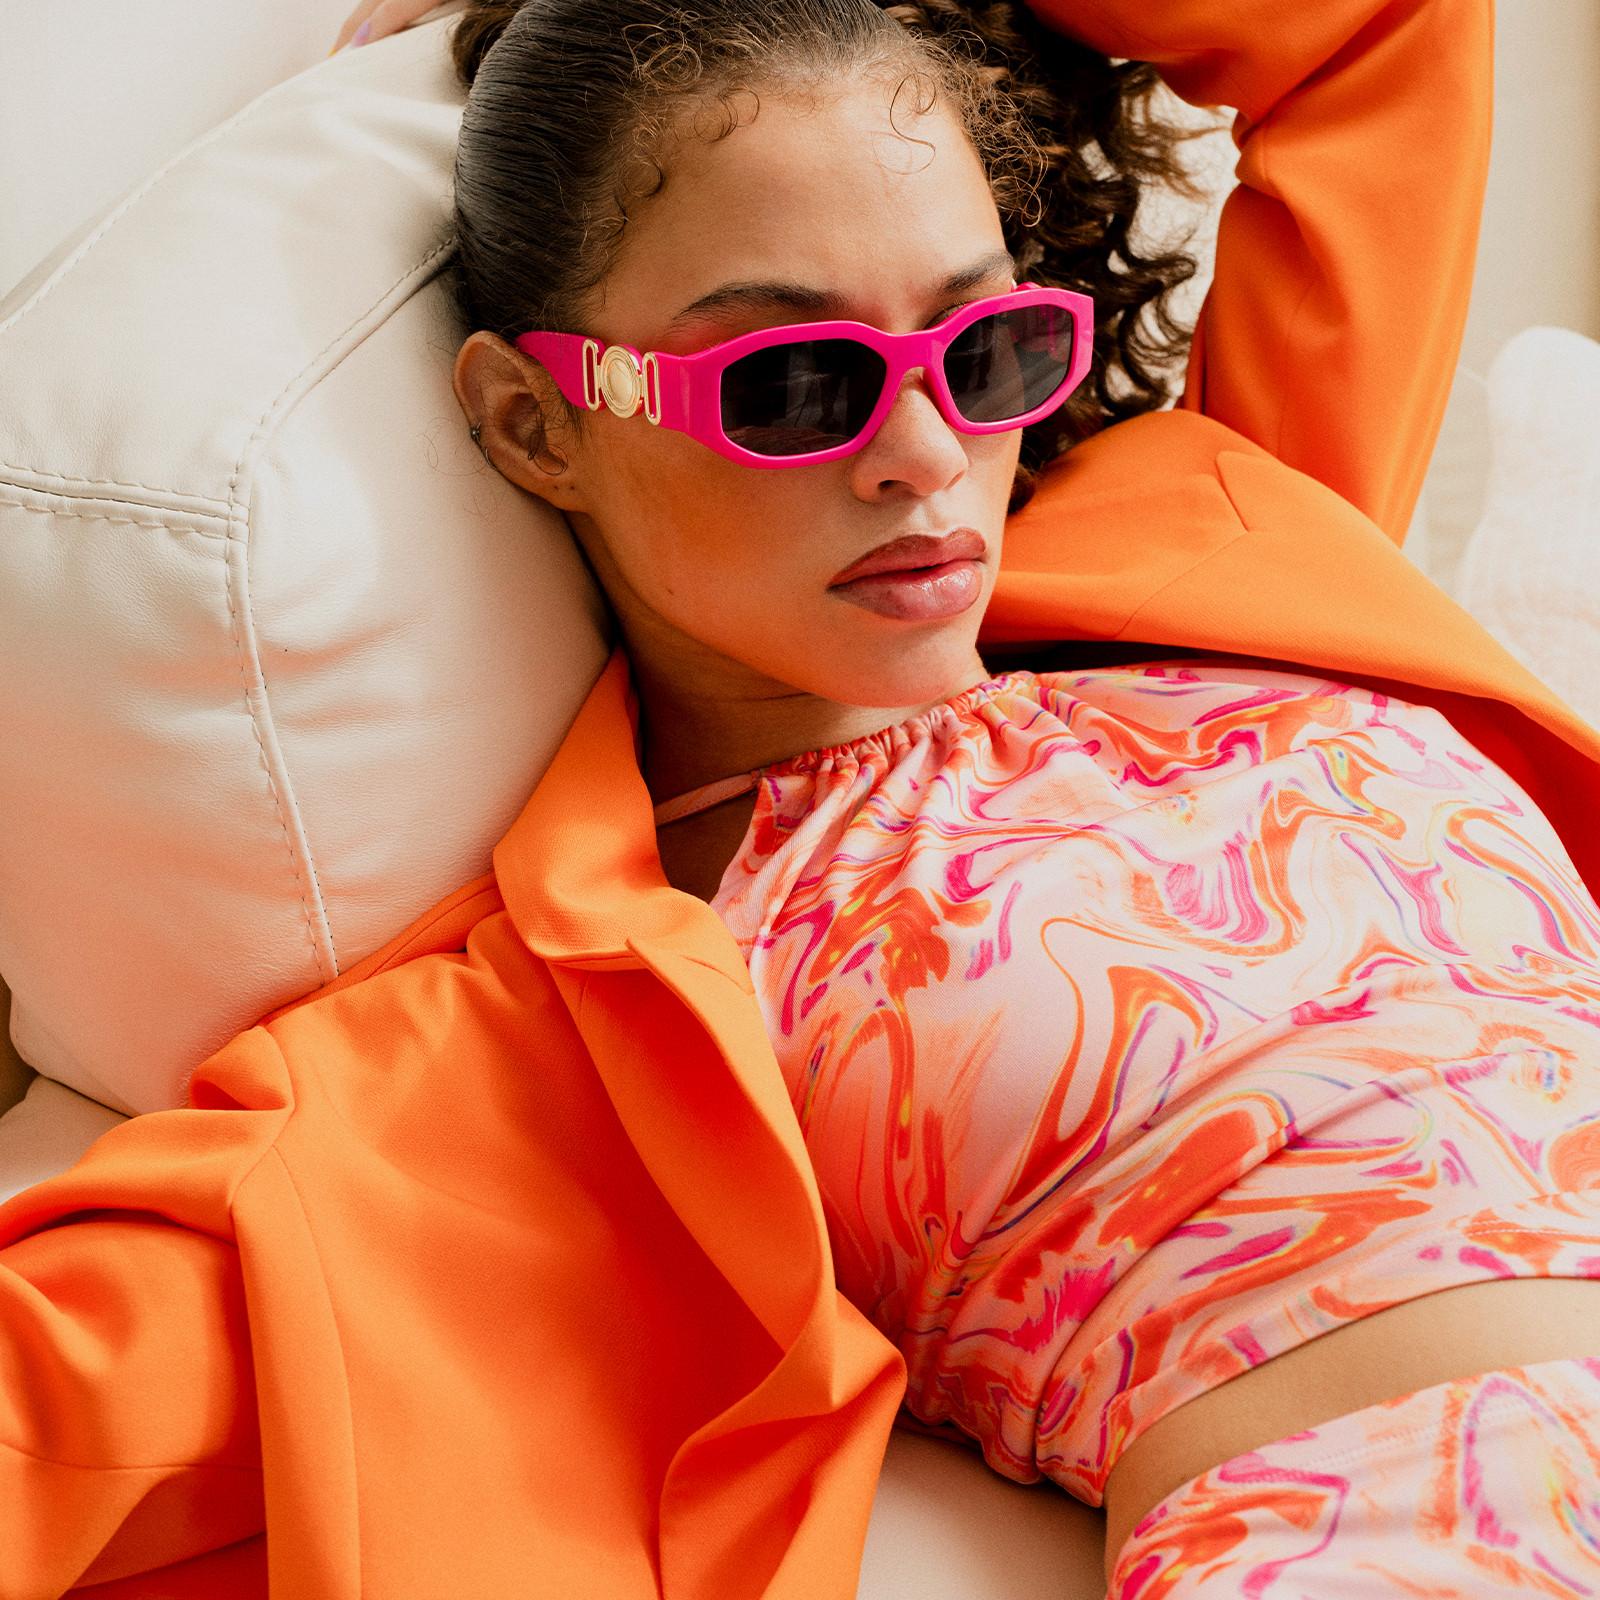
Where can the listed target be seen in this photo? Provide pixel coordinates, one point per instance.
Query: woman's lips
(915, 551)
(917, 594)
(918, 578)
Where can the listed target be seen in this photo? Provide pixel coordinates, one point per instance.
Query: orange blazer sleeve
(126, 1414)
(1345, 255)
(129, 1431)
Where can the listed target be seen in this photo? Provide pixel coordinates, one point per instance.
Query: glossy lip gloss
(917, 579)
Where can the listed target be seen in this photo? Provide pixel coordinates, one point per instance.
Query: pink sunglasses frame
(688, 389)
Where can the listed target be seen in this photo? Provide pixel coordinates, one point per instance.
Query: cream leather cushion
(281, 657)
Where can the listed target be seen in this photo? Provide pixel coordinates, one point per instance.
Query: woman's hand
(374, 19)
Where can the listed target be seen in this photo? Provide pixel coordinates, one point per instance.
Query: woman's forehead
(793, 157)
(803, 210)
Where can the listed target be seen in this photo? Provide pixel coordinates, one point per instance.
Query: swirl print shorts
(1488, 1485)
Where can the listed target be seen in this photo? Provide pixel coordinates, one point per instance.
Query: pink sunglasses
(815, 391)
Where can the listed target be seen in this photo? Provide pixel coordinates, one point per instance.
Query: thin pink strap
(706, 796)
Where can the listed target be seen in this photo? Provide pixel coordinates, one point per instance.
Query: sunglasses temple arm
(561, 355)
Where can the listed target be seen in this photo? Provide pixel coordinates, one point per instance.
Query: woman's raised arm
(1345, 256)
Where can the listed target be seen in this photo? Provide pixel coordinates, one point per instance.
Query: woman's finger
(376, 19)
(352, 23)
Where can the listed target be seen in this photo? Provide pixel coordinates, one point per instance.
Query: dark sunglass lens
(1006, 364)
(792, 399)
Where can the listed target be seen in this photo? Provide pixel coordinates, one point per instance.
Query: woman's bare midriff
(1451, 1333)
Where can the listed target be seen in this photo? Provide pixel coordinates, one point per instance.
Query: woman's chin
(898, 683)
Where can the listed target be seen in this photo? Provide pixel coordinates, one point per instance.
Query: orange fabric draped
(497, 1266)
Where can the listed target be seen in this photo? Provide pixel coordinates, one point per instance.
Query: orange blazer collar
(579, 870)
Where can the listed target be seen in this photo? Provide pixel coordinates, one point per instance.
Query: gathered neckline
(706, 795)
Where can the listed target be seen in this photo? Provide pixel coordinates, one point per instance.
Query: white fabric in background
(1531, 570)
(94, 96)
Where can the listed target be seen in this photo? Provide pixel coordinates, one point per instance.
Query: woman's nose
(915, 445)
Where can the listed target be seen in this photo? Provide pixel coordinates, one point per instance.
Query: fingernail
(358, 37)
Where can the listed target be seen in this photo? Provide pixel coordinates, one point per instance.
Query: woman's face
(724, 576)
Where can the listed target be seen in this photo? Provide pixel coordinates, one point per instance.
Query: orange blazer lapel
(663, 1000)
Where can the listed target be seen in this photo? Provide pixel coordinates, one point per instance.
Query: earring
(476, 431)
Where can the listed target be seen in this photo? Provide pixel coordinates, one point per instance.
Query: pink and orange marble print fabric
(1485, 1485)
(1145, 1022)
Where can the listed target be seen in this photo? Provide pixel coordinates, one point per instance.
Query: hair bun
(480, 26)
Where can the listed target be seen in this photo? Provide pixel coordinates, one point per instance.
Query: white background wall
(1538, 249)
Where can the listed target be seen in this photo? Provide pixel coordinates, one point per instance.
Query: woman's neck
(701, 725)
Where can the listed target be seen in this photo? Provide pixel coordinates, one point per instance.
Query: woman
(1069, 1231)
(391, 1258)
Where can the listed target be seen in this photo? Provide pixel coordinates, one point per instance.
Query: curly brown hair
(1069, 139)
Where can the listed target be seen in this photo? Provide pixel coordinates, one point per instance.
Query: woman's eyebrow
(769, 293)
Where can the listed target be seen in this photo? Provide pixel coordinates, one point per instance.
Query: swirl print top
(1145, 1022)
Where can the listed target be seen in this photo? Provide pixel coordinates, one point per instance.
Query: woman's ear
(519, 414)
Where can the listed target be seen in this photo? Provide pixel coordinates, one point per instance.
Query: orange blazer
(497, 1266)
